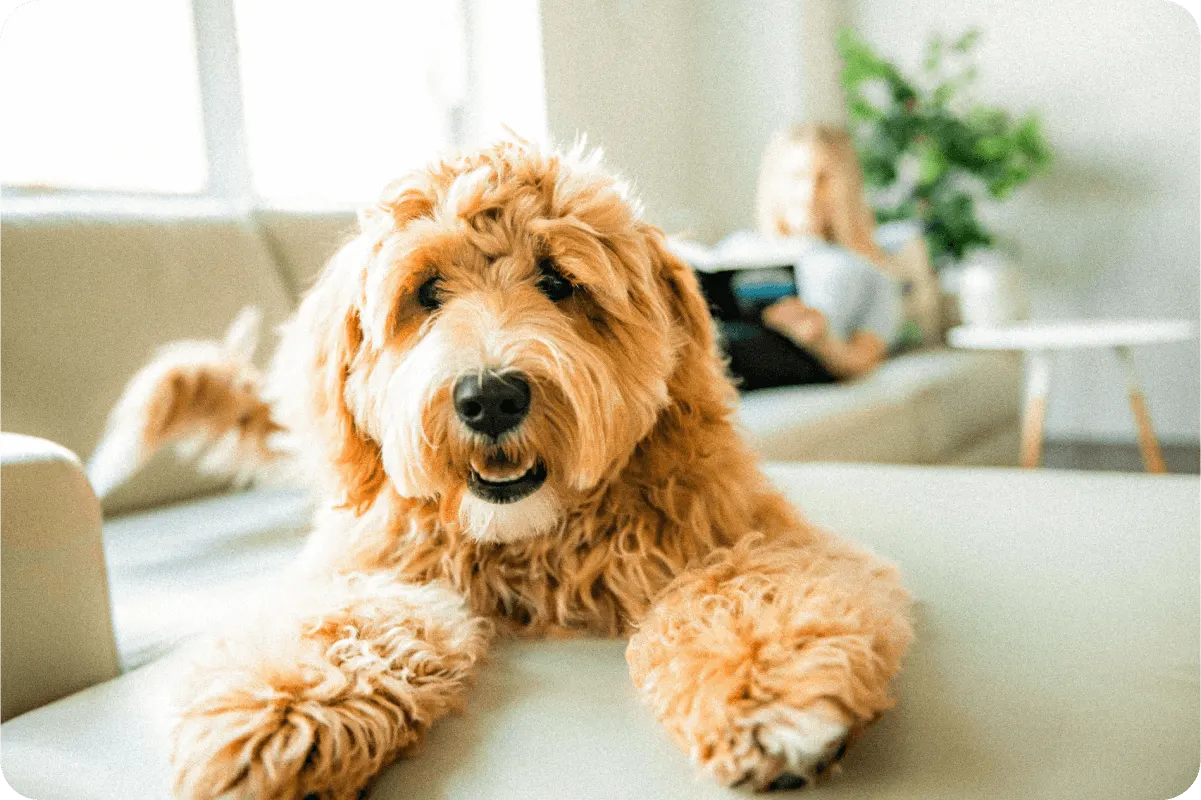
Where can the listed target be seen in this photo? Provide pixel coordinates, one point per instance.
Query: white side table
(1040, 340)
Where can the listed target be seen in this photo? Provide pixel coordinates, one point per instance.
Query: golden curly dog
(512, 395)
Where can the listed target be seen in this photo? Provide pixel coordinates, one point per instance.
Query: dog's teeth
(501, 477)
(506, 474)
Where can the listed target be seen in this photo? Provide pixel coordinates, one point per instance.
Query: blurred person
(840, 311)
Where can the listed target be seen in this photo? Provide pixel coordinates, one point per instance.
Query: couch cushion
(87, 300)
(959, 397)
(176, 571)
(1056, 656)
(920, 407)
(851, 421)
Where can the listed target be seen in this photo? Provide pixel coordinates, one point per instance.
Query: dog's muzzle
(493, 404)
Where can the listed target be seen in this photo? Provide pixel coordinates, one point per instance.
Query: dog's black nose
(492, 404)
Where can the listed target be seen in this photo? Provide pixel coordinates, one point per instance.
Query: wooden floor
(1182, 459)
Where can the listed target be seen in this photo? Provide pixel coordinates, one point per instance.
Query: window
(335, 95)
(507, 84)
(101, 95)
(292, 102)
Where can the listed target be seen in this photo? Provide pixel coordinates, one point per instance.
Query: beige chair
(1056, 653)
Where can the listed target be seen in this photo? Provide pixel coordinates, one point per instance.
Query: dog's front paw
(775, 747)
(239, 747)
(253, 727)
(268, 747)
(317, 691)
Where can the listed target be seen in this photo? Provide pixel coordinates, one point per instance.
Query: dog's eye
(429, 295)
(552, 283)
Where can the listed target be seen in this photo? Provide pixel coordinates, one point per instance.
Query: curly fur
(759, 641)
(735, 649)
(352, 671)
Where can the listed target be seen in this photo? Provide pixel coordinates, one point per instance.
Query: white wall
(820, 22)
(1113, 230)
(682, 95)
(749, 65)
(624, 73)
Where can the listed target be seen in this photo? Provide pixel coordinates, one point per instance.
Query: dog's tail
(206, 398)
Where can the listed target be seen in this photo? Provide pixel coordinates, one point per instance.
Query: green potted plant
(929, 153)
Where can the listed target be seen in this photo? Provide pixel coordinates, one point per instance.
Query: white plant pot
(991, 292)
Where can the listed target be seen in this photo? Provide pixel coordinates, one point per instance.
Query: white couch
(932, 406)
(1056, 653)
(87, 298)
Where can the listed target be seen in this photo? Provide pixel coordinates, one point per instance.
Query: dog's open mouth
(501, 483)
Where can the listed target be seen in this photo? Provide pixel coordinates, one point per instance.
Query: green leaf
(993, 148)
(932, 165)
(967, 41)
(860, 109)
(933, 53)
(903, 92)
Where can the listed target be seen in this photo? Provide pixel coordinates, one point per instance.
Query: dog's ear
(313, 364)
(699, 382)
(679, 286)
(326, 336)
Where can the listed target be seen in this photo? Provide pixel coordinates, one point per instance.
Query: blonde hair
(839, 212)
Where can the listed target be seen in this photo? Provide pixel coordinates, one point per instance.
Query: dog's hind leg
(204, 396)
(322, 688)
(766, 661)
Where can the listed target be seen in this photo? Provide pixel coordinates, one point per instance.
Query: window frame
(229, 177)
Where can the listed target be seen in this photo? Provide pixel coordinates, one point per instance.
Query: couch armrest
(56, 631)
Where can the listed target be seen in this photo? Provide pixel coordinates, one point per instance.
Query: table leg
(1148, 444)
(1038, 384)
